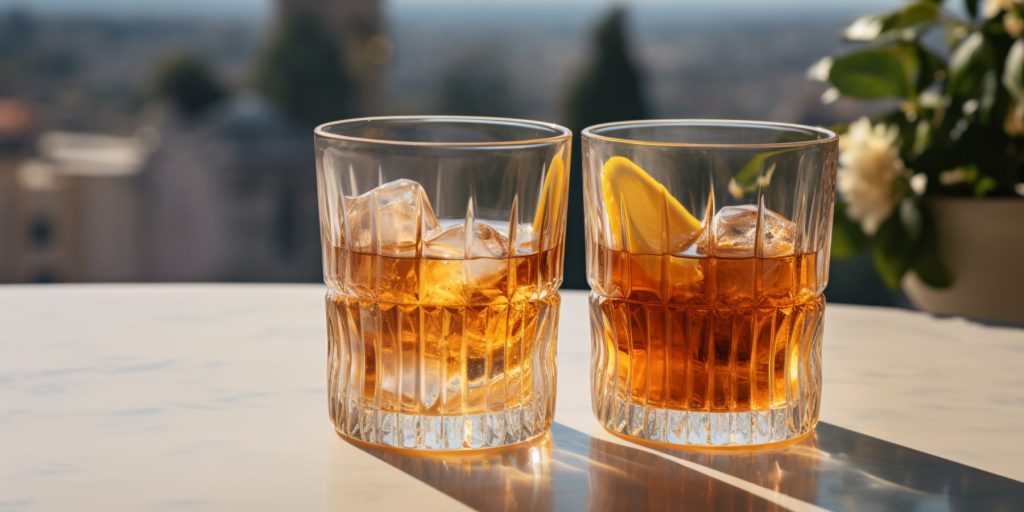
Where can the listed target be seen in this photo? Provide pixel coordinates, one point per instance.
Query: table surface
(212, 397)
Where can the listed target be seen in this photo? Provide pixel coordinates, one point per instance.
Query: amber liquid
(707, 334)
(444, 337)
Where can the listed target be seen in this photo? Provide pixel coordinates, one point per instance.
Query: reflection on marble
(518, 477)
(834, 468)
(568, 470)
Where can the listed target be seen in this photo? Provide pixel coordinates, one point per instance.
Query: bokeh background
(171, 141)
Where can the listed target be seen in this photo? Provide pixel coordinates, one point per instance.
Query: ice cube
(390, 219)
(527, 240)
(478, 272)
(452, 243)
(735, 233)
(483, 265)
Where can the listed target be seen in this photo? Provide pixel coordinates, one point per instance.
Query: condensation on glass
(707, 254)
(442, 252)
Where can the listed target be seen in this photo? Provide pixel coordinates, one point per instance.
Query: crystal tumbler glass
(707, 253)
(442, 253)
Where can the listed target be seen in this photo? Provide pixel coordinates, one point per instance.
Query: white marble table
(212, 397)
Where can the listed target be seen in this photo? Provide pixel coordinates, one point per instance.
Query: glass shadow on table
(835, 468)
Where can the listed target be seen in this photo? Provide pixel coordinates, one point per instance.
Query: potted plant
(932, 186)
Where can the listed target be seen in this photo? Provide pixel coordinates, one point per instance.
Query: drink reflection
(833, 468)
(517, 477)
(791, 469)
(648, 481)
(567, 470)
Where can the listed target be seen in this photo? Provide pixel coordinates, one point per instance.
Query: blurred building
(16, 135)
(230, 196)
(75, 214)
(357, 27)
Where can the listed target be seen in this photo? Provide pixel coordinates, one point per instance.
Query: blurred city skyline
(210, 106)
(685, 52)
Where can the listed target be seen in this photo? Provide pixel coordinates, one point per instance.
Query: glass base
(431, 432)
(702, 428)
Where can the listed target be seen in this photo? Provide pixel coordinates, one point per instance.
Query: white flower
(864, 29)
(919, 183)
(868, 164)
(819, 70)
(829, 96)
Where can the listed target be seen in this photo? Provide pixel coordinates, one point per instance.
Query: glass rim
(826, 136)
(561, 133)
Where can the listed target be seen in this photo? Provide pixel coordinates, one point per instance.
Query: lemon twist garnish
(654, 221)
(552, 192)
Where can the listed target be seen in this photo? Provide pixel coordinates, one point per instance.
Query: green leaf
(876, 73)
(967, 65)
(922, 137)
(910, 219)
(747, 176)
(931, 66)
(985, 185)
(1013, 71)
(989, 92)
(904, 143)
(893, 253)
(929, 265)
(911, 15)
(972, 7)
(847, 238)
(971, 172)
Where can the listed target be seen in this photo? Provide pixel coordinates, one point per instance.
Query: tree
(609, 89)
(304, 74)
(188, 83)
